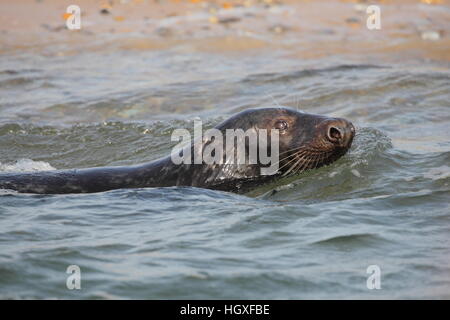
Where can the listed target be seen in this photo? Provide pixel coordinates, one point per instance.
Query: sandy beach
(307, 29)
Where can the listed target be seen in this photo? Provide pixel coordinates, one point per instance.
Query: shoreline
(303, 29)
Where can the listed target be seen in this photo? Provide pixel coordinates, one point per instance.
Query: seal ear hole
(334, 134)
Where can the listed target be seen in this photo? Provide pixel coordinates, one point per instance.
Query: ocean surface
(314, 236)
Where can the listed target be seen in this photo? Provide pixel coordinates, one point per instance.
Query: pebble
(430, 35)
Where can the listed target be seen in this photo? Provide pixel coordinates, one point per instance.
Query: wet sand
(410, 30)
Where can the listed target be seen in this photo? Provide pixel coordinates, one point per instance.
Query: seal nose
(340, 132)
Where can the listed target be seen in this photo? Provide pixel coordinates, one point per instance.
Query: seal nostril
(334, 134)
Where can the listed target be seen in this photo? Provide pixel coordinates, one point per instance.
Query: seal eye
(281, 125)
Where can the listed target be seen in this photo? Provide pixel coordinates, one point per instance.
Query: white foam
(26, 165)
(356, 173)
(333, 174)
(7, 192)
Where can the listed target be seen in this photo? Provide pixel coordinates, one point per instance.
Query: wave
(26, 165)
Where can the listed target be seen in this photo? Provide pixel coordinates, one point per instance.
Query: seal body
(305, 141)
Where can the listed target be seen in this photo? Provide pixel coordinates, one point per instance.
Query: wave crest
(26, 165)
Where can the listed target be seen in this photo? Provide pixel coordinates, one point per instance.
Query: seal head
(306, 141)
